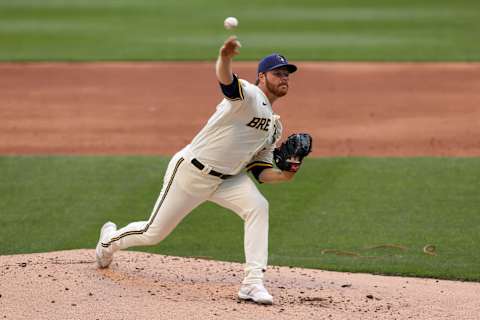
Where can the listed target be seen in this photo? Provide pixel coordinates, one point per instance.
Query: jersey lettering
(259, 123)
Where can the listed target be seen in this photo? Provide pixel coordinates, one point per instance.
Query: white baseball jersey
(242, 133)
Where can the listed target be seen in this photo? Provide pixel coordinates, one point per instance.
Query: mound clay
(156, 108)
(67, 285)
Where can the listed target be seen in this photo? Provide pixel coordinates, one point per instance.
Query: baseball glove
(290, 154)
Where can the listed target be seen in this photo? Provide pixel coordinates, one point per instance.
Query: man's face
(276, 81)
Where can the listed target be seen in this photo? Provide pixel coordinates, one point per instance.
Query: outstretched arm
(223, 67)
(273, 175)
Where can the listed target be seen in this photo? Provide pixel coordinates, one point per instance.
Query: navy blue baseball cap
(275, 61)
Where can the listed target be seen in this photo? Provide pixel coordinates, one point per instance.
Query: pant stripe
(128, 233)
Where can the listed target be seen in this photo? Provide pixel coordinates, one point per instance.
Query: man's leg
(173, 204)
(241, 195)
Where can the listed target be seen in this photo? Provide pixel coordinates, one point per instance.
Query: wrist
(224, 53)
(289, 174)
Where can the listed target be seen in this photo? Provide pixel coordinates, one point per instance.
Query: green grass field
(379, 30)
(347, 204)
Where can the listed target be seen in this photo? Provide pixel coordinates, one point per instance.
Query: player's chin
(282, 90)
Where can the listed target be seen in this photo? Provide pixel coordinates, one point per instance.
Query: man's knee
(152, 237)
(257, 207)
(262, 204)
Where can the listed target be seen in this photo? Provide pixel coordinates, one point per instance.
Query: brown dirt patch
(67, 285)
(382, 109)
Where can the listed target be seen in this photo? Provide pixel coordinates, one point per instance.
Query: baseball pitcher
(239, 138)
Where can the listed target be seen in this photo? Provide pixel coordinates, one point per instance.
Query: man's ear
(261, 76)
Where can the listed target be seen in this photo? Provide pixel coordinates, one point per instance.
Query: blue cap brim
(290, 67)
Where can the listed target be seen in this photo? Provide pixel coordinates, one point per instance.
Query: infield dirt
(364, 109)
(155, 108)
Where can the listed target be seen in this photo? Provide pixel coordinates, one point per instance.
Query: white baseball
(230, 23)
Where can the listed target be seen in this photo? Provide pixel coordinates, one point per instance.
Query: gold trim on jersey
(128, 233)
(240, 89)
(258, 164)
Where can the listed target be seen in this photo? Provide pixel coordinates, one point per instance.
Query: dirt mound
(67, 285)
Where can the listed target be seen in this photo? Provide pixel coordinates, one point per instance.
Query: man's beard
(275, 89)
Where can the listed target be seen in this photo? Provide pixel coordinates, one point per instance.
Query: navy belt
(200, 166)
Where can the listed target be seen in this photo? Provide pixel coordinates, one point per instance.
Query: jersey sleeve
(261, 161)
(234, 90)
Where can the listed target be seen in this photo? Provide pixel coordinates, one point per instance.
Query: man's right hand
(230, 48)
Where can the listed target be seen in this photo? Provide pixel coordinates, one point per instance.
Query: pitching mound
(67, 285)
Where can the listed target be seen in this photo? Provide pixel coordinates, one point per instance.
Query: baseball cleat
(104, 258)
(255, 292)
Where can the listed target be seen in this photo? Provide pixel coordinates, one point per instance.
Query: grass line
(384, 210)
(332, 30)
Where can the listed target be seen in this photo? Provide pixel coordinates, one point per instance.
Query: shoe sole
(249, 298)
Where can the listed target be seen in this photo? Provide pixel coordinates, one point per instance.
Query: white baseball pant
(184, 188)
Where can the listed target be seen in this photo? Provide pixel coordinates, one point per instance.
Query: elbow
(223, 72)
(224, 79)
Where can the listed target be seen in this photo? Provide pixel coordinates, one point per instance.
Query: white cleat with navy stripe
(256, 293)
(104, 256)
